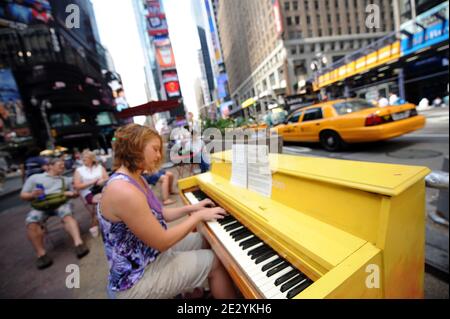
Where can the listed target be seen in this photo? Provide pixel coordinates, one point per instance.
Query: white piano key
(270, 283)
(266, 285)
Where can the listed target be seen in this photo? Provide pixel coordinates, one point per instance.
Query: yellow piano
(330, 229)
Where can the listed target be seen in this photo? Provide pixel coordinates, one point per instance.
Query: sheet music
(239, 165)
(259, 174)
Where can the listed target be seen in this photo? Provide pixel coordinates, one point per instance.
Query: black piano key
(260, 253)
(226, 220)
(272, 264)
(287, 276)
(239, 231)
(251, 242)
(264, 256)
(242, 236)
(298, 289)
(277, 269)
(291, 283)
(199, 195)
(233, 226)
(255, 253)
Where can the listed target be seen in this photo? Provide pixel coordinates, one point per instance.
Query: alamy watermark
(373, 16)
(73, 277)
(73, 18)
(373, 279)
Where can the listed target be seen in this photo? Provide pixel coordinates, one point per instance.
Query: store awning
(149, 108)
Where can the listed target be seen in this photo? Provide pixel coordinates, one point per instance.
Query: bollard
(442, 207)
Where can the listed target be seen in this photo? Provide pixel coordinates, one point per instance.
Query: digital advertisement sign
(27, 12)
(156, 19)
(164, 53)
(13, 121)
(171, 84)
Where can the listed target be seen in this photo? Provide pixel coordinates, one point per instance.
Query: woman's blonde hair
(128, 145)
(91, 155)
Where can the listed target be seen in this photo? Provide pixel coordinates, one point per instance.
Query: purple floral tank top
(127, 255)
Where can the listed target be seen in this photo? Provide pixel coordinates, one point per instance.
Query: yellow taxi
(335, 123)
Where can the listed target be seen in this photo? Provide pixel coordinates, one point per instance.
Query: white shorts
(180, 269)
(39, 217)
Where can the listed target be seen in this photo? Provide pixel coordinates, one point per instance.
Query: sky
(119, 34)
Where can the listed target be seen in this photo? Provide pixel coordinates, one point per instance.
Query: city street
(20, 279)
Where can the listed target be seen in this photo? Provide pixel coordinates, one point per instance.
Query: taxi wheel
(331, 141)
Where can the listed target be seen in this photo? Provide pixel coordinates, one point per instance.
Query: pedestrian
(89, 180)
(423, 104)
(383, 102)
(437, 102)
(148, 259)
(50, 189)
(393, 99)
(165, 179)
(198, 149)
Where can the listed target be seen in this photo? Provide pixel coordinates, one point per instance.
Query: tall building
(160, 68)
(205, 63)
(152, 85)
(269, 45)
(411, 62)
(58, 89)
(206, 17)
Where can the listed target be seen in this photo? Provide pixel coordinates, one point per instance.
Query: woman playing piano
(146, 258)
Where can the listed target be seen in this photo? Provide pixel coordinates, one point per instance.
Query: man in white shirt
(383, 102)
(393, 98)
(51, 182)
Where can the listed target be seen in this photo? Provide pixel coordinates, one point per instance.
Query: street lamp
(44, 105)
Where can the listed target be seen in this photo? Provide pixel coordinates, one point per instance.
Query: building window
(297, 20)
(272, 79)
(289, 20)
(287, 6)
(295, 5)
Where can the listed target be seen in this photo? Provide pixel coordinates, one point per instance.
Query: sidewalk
(19, 277)
(12, 184)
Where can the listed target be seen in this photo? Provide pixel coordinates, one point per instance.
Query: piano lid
(385, 179)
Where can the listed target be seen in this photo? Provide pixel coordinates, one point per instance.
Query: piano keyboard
(274, 277)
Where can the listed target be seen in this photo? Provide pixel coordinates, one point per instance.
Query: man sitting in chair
(37, 187)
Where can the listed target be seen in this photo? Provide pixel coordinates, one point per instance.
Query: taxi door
(311, 124)
(291, 130)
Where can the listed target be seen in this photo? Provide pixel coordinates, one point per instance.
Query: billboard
(164, 53)
(277, 16)
(222, 86)
(17, 13)
(156, 19)
(13, 121)
(171, 84)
